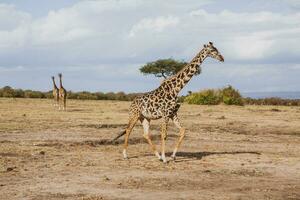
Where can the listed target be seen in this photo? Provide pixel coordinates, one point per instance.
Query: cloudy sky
(99, 45)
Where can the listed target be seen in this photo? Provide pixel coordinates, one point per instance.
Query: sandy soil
(250, 152)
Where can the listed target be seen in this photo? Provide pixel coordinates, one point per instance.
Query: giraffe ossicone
(162, 103)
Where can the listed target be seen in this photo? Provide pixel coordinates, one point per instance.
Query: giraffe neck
(60, 82)
(54, 85)
(179, 80)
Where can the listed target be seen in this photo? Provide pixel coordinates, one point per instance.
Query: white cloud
(96, 25)
(154, 25)
(293, 3)
(60, 27)
(12, 69)
(131, 32)
(250, 36)
(10, 18)
(13, 27)
(251, 47)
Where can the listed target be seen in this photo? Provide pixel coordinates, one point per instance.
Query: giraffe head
(213, 52)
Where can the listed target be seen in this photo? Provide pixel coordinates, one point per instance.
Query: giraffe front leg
(65, 103)
(146, 125)
(181, 136)
(56, 101)
(58, 104)
(163, 139)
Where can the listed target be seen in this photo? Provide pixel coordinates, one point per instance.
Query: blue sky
(99, 45)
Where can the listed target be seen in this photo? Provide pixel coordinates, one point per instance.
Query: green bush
(86, 96)
(34, 94)
(227, 95)
(231, 96)
(205, 97)
(18, 93)
(7, 91)
(48, 95)
(100, 96)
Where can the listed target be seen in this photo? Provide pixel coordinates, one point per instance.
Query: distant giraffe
(55, 92)
(162, 103)
(62, 94)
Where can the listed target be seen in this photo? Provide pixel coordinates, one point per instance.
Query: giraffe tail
(120, 135)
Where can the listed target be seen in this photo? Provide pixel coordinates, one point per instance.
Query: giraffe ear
(210, 43)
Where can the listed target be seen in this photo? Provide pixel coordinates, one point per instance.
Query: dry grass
(230, 152)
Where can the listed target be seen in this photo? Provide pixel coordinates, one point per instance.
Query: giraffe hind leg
(131, 124)
(146, 125)
(56, 99)
(65, 103)
(60, 104)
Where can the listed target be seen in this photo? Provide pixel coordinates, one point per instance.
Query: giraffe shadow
(132, 141)
(75, 110)
(153, 127)
(187, 156)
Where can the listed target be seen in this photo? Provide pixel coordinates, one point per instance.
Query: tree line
(10, 92)
(227, 95)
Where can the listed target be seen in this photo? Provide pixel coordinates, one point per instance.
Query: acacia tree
(162, 67)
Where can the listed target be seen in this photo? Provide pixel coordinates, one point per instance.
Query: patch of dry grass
(230, 152)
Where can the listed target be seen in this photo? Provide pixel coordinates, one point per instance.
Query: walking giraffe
(62, 94)
(162, 103)
(55, 92)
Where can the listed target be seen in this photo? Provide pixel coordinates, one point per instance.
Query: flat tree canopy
(163, 67)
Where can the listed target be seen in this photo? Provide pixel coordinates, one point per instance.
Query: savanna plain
(230, 152)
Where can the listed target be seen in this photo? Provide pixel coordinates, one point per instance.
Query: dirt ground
(230, 152)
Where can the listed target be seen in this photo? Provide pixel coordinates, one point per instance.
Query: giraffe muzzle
(220, 58)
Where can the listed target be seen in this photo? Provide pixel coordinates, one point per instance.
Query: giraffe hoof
(125, 154)
(160, 158)
(157, 155)
(125, 157)
(163, 160)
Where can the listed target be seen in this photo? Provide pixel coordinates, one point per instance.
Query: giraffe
(162, 103)
(55, 92)
(62, 94)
